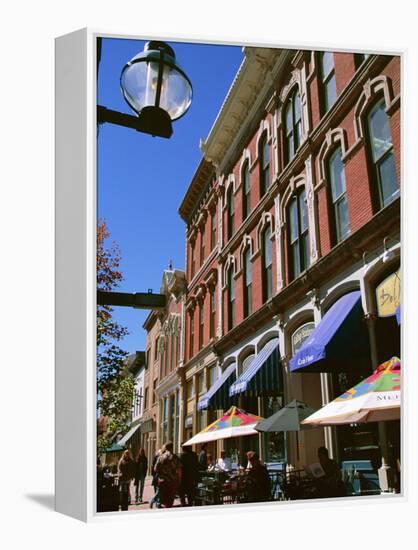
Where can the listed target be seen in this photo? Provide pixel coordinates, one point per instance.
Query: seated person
(258, 480)
(330, 484)
(223, 464)
(211, 464)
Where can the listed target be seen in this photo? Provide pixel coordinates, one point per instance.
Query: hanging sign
(388, 295)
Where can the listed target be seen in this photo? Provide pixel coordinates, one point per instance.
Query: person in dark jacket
(258, 479)
(189, 477)
(126, 472)
(168, 469)
(141, 467)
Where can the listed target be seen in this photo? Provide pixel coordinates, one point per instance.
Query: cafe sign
(388, 295)
(300, 335)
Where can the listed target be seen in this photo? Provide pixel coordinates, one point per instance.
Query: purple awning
(337, 342)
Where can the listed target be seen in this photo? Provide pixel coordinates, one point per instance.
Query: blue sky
(142, 179)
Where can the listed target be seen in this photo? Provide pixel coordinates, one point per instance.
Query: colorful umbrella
(234, 423)
(375, 399)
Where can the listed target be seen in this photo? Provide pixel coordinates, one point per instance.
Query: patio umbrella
(234, 423)
(287, 419)
(375, 399)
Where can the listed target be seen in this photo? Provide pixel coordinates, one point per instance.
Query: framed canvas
(228, 275)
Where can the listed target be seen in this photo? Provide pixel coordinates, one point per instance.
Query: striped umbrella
(234, 423)
(375, 399)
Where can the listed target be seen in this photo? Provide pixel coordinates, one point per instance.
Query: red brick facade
(343, 125)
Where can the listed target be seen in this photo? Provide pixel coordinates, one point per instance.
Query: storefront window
(200, 382)
(213, 375)
(189, 389)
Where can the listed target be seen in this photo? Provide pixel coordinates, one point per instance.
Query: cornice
(250, 90)
(166, 384)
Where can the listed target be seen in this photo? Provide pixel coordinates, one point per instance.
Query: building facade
(294, 210)
(164, 352)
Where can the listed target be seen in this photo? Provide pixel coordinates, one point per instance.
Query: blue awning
(339, 342)
(398, 314)
(264, 375)
(217, 396)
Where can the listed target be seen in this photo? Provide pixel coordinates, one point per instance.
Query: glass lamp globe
(156, 87)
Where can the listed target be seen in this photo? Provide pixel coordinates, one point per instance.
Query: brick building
(164, 352)
(293, 212)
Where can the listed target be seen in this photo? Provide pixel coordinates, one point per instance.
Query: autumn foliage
(114, 383)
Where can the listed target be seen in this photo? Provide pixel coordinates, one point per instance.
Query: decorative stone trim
(201, 220)
(191, 304)
(211, 279)
(200, 293)
(332, 139)
(230, 181)
(295, 183)
(264, 127)
(230, 261)
(371, 89)
(245, 157)
(265, 220)
(246, 242)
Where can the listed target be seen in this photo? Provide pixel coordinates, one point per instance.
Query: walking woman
(168, 469)
(141, 467)
(126, 472)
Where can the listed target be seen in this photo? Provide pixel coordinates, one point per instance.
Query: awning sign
(388, 295)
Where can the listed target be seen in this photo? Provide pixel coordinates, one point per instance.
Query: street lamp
(156, 88)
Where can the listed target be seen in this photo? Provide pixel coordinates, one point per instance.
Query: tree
(115, 385)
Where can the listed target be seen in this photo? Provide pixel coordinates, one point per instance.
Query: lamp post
(156, 88)
(159, 92)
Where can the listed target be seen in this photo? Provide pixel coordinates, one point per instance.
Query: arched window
(298, 235)
(267, 264)
(359, 58)
(231, 298)
(231, 211)
(246, 190)
(213, 229)
(293, 125)
(338, 197)
(382, 160)
(191, 340)
(212, 313)
(201, 324)
(202, 244)
(192, 259)
(328, 87)
(248, 280)
(264, 160)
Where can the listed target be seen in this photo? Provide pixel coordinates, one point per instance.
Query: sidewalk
(147, 496)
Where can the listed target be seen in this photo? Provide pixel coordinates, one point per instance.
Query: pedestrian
(168, 469)
(203, 458)
(189, 475)
(141, 467)
(156, 498)
(126, 472)
(258, 483)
